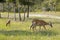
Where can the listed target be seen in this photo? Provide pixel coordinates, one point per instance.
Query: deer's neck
(47, 23)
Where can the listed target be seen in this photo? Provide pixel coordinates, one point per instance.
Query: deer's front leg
(31, 27)
(44, 27)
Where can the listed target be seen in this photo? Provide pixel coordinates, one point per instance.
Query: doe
(37, 22)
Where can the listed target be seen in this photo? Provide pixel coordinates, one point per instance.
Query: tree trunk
(24, 15)
(15, 12)
(0, 10)
(0, 15)
(15, 15)
(8, 10)
(8, 14)
(28, 12)
(3, 7)
(19, 14)
(55, 8)
(19, 17)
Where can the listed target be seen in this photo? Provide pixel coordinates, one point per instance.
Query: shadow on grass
(28, 33)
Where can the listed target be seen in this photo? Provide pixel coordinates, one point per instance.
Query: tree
(0, 9)
(57, 5)
(14, 7)
(19, 7)
(15, 11)
(2, 1)
(24, 13)
(19, 13)
(28, 3)
(8, 7)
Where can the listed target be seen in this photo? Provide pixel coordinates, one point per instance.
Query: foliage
(39, 4)
(2, 1)
(25, 2)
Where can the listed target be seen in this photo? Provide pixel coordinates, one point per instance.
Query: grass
(20, 31)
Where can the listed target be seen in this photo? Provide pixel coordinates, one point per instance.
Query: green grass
(20, 31)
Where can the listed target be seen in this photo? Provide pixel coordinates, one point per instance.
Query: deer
(37, 22)
(8, 22)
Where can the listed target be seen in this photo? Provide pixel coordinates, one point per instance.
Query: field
(19, 30)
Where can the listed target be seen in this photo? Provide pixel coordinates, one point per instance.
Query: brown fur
(37, 22)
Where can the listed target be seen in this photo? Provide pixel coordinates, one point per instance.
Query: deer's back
(39, 22)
